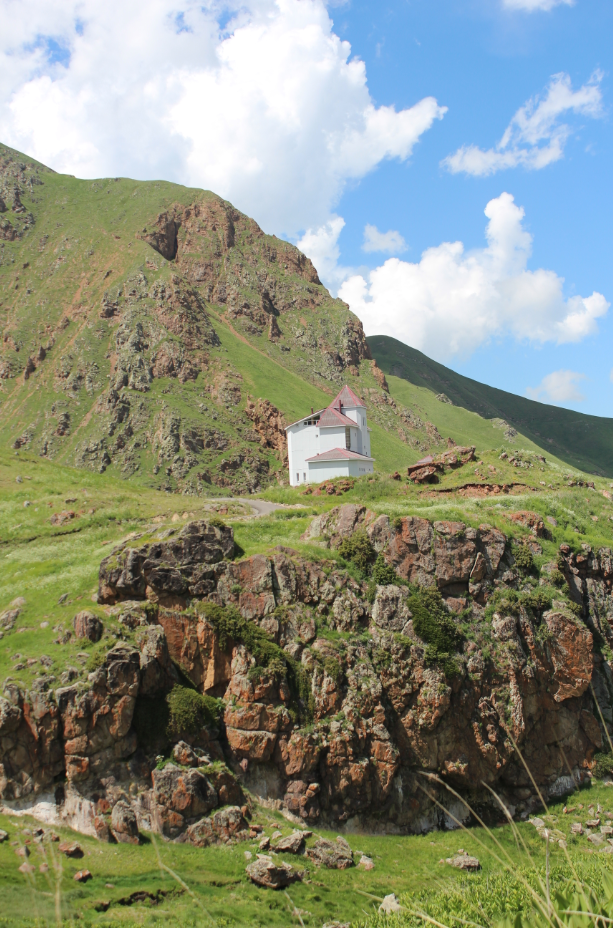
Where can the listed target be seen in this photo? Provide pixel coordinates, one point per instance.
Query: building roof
(333, 417)
(346, 397)
(308, 416)
(333, 414)
(339, 454)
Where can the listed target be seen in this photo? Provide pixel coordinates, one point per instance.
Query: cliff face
(337, 695)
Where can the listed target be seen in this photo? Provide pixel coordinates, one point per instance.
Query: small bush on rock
(190, 712)
(358, 549)
(603, 764)
(434, 625)
(524, 562)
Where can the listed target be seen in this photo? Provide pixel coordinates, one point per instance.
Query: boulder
(87, 626)
(293, 843)
(184, 755)
(225, 825)
(83, 876)
(124, 824)
(464, 862)
(390, 905)
(70, 849)
(335, 855)
(265, 872)
(180, 795)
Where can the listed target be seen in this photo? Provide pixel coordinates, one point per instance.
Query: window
(304, 475)
(297, 477)
(348, 437)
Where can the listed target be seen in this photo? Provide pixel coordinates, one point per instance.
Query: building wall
(326, 470)
(302, 443)
(305, 442)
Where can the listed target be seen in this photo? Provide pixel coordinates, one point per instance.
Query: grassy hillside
(586, 442)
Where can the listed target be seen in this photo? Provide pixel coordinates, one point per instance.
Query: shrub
(384, 573)
(537, 600)
(358, 549)
(190, 712)
(332, 667)
(603, 764)
(524, 561)
(435, 626)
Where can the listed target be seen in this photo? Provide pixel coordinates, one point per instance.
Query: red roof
(346, 397)
(333, 414)
(332, 417)
(339, 454)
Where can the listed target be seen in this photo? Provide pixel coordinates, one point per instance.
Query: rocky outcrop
(169, 569)
(329, 727)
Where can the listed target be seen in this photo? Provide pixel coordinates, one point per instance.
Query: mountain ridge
(591, 437)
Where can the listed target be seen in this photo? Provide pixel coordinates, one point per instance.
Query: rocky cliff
(326, 688)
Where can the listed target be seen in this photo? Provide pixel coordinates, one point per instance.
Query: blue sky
(483, 63)
(387, 139)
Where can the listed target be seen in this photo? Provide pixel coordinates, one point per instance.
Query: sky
(445, 163)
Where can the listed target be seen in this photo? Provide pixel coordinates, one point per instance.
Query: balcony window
(348, 437)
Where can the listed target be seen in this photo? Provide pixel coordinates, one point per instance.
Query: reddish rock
(83, 876)
(256, 746)
(70, 849)
(87, 626)
(531, 521)
(570, 647)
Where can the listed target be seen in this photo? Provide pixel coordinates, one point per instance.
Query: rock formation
(238, 678)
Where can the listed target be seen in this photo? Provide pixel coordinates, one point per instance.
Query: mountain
(585, 442)
(155, 331)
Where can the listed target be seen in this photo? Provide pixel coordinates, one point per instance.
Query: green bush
(190, 712)
(358, 549)
(434, 625)
(537, 600)
(332, 667)
(524, 562)
(384, 573)
(603, 764)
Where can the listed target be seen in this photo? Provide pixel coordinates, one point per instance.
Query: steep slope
(586, 442)
(156, 331)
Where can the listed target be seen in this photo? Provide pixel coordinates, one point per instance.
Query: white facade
(338, 437)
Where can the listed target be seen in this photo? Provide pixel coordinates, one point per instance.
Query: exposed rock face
(335, 727)
(269, 424)
(88, 626)
(170, 569)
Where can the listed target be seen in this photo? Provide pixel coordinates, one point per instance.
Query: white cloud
(530, 6)
(535, 137)
(558, 387)
(267, 109)
(321, 246)
(451, 302)
(391, 242)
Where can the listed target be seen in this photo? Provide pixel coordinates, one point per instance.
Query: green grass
(583, 441)
(220, 894)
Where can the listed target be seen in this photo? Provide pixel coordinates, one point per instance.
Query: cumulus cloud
(265, 105)
(535, 137)
(558, 387)
(321, 246)
(391, 242)
(530, 6)
(453, 301)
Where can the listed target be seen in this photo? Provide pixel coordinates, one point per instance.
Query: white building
(334, 442)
